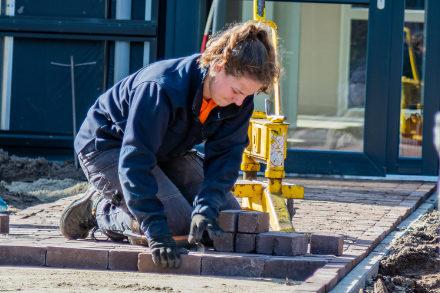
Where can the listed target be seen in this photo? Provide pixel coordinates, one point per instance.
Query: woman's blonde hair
(244, 49)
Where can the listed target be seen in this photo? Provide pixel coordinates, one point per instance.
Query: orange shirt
(206, 108)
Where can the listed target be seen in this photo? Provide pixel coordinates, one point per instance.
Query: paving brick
(245, 242)
(357, 254)
(228, 220)
(77, 258)
(233, 266)
(22, 255)
(329, 280)
(347, 260)
(327, 270)
(191, 265)
(4, 223)
(326, 244)
(253, 222)
(265, 242)
(336, 266)
(225, 244)
(290, 244)
(293, 268)
(123, 260)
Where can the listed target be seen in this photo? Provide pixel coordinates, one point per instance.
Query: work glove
(201, 223)
(165, 251)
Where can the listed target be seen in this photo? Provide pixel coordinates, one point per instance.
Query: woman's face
(226, 89)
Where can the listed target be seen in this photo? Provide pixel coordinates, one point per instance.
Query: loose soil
(26, 182)
(413, 263)
(13, 168)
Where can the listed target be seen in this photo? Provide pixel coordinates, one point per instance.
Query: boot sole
(69, 209)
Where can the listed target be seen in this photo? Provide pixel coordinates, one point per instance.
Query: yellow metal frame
(411, 127)
(267, 145)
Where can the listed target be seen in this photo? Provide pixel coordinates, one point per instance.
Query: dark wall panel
(61, 8)
(41, 93)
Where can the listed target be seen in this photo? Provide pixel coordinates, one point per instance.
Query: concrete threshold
(368, 267)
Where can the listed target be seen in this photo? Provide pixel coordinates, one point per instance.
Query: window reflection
(411, 115)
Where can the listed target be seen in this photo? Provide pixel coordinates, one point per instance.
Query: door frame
(428, 164)
(383, 24)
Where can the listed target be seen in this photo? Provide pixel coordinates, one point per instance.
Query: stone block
(4, 224)
(225, 244)
(253, 222)
(228, 220)
(233, 266)
(22, 255)
(77, 258)
(265, 242)
(191, 265)
(123, 260)
(245, 242)
(336, 266)
(290, 244)
(294, 268)
(326, 244)
(329, 281)
(347, 261)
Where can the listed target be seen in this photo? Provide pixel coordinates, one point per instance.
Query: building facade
(360, 89)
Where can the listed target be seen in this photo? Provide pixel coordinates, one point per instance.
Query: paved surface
(363, 211)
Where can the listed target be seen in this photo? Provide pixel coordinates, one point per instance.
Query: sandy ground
(413, 263)
(31, 279)
(48, 190)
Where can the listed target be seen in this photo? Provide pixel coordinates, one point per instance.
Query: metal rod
(72, 81)
(267, 107)
(69, 65)
(72, 75)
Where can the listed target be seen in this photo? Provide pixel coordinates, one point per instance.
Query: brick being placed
(245, 243)
(253, 222)
(228, 220)
(225, 244)
(280, 243)
(326, 244)
(291, 244)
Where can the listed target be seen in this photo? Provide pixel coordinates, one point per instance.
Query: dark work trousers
(178, 181)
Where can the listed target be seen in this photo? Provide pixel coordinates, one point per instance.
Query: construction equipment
(411, 124)
(267, 135)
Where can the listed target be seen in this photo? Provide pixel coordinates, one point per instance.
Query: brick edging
(326, 278)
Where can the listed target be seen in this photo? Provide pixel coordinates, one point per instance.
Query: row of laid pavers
(363, 224)
(134, 258)
(325, 278)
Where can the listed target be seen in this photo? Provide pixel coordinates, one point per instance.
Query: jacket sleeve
(223, 156)
(147, 121)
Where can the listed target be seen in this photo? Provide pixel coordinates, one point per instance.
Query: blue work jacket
(153, 116)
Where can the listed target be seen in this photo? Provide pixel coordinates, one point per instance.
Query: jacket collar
(222, 112)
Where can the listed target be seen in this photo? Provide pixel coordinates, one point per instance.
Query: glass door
(410, 141)
(336, 56)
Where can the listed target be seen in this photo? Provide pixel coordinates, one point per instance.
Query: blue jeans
(178, 181)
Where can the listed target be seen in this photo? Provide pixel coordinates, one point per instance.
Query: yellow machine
(268, 134)
(411, 127)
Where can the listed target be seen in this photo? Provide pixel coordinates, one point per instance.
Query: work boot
(78, 218)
